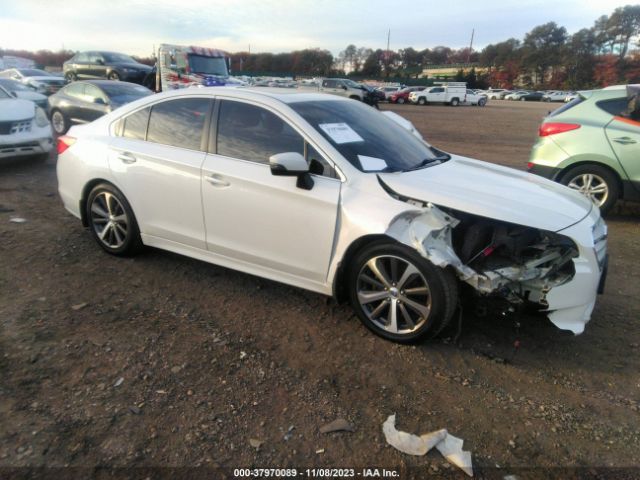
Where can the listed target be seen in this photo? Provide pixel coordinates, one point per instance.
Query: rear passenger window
(252, 133)
(135, 125)
(614, 106)
(179, 123)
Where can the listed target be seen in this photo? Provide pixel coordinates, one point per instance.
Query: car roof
(256, 93)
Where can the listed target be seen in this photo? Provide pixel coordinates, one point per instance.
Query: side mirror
(99, 101)
(291, 164)
(344, 87)
(99, 61)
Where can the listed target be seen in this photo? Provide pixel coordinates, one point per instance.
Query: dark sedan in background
(83, 102)
(532, 97)
(110, 65)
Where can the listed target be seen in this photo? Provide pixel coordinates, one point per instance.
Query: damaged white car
(330, 195)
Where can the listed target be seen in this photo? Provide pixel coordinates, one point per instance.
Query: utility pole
(387, 54)
(473, 31)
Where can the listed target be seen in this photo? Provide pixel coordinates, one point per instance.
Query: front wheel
(114, 76)
(59, 122)
(422, 101)
(523, 99)
(400, 101)
(596, 183)
(111, 221)
(399, 295)
(70, 77)
(482, 102)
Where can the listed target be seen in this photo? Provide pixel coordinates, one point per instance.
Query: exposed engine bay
(498, 259)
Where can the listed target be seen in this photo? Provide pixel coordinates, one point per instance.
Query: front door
(258, 218)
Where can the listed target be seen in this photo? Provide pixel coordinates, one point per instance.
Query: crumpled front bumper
(571, 304)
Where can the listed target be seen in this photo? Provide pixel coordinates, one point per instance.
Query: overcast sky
(135, 26)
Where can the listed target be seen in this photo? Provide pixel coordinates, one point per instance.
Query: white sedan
(24, 128)
(327, 194)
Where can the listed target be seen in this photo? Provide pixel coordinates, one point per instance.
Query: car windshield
(121, 93)
(33, 72)
(13, 86)
(208, 65)
(369, 140)
(118, 58)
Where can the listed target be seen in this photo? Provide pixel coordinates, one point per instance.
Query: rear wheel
(482, 102)
(400, 100)
(111, 221)
(70, 77)
(399, 295)
(522, 99)
(595, 182)
(114, 76)
(454, 102)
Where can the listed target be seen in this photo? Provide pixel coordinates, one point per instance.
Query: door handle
(126, 157)
(217, 181)
(624, 140)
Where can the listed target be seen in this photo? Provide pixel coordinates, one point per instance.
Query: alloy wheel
(57, 120)
(393, 294)
(109, 220)
(592, 186)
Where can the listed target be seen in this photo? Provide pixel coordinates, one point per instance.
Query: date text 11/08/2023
(315, 473)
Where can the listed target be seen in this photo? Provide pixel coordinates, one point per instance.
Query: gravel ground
(162, 361)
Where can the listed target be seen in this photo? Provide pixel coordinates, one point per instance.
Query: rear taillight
(552, 128)
(65, 142)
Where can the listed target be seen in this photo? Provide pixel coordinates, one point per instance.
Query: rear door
(255, 217)
(623, 134)
(157, 159)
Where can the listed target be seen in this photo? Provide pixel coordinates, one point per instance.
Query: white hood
(15, 109)
(493, 191)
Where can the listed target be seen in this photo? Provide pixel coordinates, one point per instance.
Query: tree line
(547, 57)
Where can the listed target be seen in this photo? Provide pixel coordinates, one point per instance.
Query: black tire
(442, 287)
(400, 101)
(113, 75)
(482, 102)
(59, 122)
(454, 102)
(70, 77)
(422, 101)
(606, 175)
(132, 242)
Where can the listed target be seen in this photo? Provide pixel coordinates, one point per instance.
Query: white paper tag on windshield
(341, 133)
(372, 164)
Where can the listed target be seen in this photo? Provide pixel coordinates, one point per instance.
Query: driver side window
(252, 133)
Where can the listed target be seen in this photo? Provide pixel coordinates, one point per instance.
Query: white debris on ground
(449, 446)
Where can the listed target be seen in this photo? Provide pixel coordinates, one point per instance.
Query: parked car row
(529, 95)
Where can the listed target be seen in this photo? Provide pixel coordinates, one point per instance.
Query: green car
(592, 144)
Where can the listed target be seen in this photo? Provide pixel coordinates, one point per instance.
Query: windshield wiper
(424, 163)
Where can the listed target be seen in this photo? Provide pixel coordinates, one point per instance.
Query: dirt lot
(164, 361)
